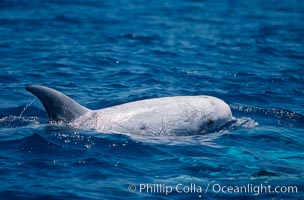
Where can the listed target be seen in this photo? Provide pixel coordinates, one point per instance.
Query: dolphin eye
(143, 127)
(210, 122)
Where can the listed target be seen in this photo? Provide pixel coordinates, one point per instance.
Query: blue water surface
(104, 53)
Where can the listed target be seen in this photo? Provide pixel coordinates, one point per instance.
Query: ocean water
(104, 53)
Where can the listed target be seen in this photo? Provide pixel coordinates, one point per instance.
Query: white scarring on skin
(180, 115)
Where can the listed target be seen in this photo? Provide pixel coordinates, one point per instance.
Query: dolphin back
(58, 106)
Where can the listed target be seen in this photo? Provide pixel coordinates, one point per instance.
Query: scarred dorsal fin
(58, 106)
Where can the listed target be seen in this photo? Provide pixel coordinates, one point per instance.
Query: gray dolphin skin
(179, 115)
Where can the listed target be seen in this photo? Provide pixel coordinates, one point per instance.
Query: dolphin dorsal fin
(58, 106)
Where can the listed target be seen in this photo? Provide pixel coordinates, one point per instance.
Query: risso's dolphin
(180, 115)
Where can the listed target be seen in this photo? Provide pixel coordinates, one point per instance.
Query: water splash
(17, 121)
(13, 119)
(245, 122)
(26, 107)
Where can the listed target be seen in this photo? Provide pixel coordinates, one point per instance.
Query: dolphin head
(219, 115)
